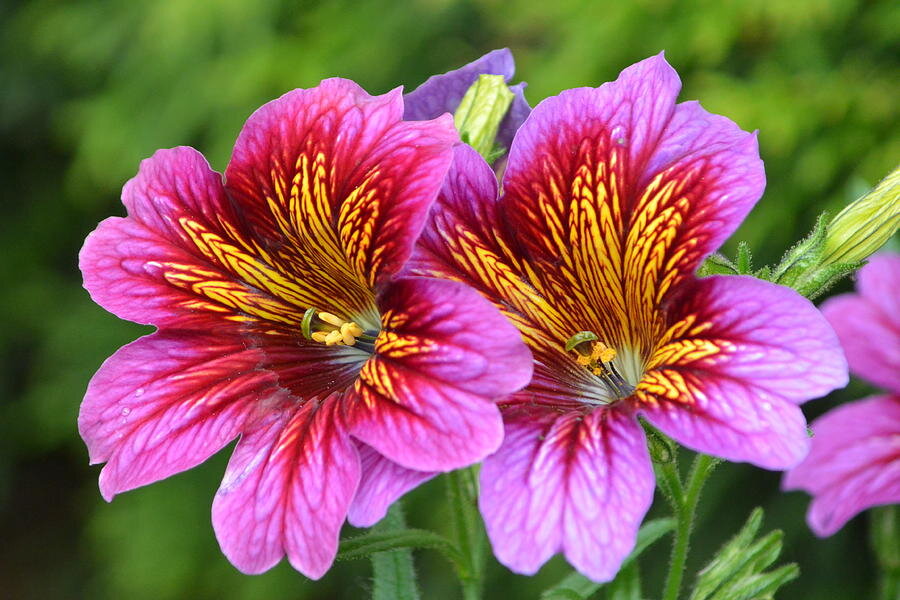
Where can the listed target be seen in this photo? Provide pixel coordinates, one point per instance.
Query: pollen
(598, 358)
(331, 330)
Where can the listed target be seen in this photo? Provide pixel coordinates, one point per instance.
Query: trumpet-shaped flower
(282, 321)
(854, 463)
(612, 198)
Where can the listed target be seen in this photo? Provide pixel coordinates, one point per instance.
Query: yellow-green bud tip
(865, 225)
(481, 111)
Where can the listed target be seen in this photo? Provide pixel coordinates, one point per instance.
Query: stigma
(331, 330)
(598, 358)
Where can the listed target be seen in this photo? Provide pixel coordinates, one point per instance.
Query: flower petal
(166, 403)
(868, 323)
(337, 176)
(381, 484)
(854, 463)
(287, 490)
(738, 356)
(178, 259)
(425, 400)
(570, 483)
(625, 193)
(442, 93)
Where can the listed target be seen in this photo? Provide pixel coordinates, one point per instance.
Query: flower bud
(481, 111)
(865, 225)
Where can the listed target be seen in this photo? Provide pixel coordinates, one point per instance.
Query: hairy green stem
(462, 491)
(684, 516)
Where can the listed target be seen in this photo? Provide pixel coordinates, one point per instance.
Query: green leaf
(717, 265)
(576, 586)
(763, 585)
(626, 585)
(744, 261)
(393, 572)
(364, 546)
(737, 570)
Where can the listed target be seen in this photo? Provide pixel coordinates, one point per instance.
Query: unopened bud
(865, 225)
(481, 111)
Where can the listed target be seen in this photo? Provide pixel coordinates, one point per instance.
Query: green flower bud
(480, 113)
(865, 225)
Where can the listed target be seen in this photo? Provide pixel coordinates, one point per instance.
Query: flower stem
(462, 491)
(684, 516)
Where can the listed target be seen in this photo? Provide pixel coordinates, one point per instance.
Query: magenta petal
(868, 323)
(623, 156)
(369, 177)
(166, 403)
(580, 484)
(854, 463)
(287, 490)
(381, 484)
(773, 350)
(426, 400)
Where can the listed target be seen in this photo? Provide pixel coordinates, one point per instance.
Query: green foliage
(738, 572)
(92, 87)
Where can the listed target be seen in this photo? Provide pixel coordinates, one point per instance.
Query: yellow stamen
(346, 336)
(333, 338)
(331, 319)
(319, 336)
(354, 329)
(583, 360)
(602, 352)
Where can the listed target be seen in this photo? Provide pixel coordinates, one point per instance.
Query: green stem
(889, 586)
(684, 516)
(462, 490)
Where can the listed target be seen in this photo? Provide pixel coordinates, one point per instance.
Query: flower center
(331, 330)
(598, 358)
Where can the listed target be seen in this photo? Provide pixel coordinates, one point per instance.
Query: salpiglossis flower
(281, 321)
(612, 197)
(854, 463)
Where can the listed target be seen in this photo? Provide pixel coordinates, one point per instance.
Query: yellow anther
(331, 319)
(333, 338)
(354, 329)
(319, 336)
(346, 336)
(597, 371)
(583, 360)
(602, 352)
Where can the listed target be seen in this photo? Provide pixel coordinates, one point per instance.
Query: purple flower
(612, 197)
(854, 463)
(282, 321)
(443, 93)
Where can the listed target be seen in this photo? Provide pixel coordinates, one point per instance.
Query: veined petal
(854, 463)
(426, 399)
(868, 323)
(625, 193)
(381, 484)
(442, 93)
(738, 356)
(166, 403)
(333, 177)
(575, 483)
(287, 490)
(178, 260)
(467, 239)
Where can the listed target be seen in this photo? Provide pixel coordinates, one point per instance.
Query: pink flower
(854, 463)
(613, 196)
(282, 321)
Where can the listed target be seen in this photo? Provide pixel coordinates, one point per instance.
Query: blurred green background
(89, 88)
